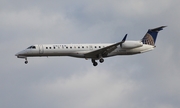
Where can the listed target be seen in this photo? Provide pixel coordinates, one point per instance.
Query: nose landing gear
(26, 61)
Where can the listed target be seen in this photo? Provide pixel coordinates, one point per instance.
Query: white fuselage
(78, 50)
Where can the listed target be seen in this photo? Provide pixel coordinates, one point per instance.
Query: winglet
(124, 39)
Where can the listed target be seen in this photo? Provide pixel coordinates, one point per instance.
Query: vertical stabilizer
(151, 35)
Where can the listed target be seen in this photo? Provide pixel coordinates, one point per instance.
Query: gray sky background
(149, 80)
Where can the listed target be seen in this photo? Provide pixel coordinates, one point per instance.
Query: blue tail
(151, 35)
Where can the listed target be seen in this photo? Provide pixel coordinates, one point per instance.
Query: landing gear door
(41, 50)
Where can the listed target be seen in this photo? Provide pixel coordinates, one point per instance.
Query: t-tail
(151, 35)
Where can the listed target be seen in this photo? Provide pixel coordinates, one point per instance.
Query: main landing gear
(101, 60)
(26, 61)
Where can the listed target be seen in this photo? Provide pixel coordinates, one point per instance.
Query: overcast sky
(149, 80)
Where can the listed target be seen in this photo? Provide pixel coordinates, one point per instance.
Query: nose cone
(16, 54)
(21, 54)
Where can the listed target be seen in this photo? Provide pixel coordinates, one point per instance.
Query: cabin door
(41, 50)
(90, 47)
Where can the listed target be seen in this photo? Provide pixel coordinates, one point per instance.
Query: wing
(104, 51)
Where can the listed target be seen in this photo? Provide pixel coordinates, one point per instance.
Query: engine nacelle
(131, 44)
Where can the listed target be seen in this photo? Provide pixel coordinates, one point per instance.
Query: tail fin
(151, 35)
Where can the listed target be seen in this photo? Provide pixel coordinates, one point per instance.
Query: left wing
(104, 51)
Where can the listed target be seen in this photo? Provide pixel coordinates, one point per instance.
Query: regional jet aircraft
(93, 51)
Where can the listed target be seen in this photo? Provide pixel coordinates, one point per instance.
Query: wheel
(95, 64)
(101, 60)
(26, 62)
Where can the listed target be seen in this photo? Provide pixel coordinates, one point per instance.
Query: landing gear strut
(26, 61)
(94, 62)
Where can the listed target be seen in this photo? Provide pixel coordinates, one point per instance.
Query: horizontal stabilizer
(158, 29)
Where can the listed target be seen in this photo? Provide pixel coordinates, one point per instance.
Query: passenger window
(54, 47)
(49, 47)
(95, 47)
(86, 46)
(82, 46)
(46, 47)
(71, 47)
(78, 47)
(99, 46)
(66, 47)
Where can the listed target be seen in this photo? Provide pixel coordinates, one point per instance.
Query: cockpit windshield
(32, 47)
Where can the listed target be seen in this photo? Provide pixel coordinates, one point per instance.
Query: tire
(101, 60)
(95, 64)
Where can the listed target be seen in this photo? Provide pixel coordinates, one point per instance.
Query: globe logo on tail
(151, 35)
(148, 39)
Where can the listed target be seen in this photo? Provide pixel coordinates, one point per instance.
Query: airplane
(93, 51)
